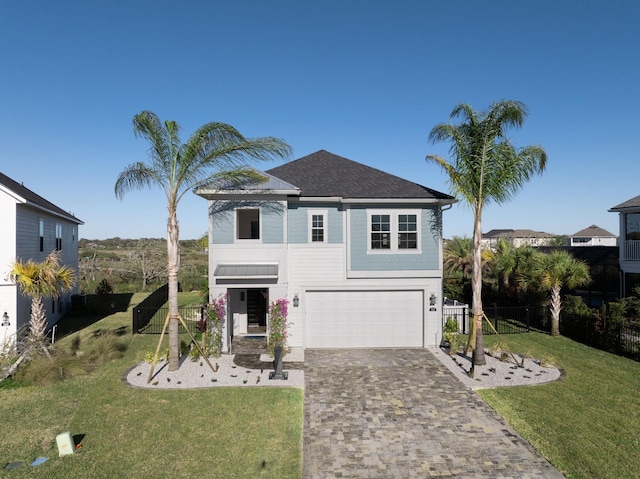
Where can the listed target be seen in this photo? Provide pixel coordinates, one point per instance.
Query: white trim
(399, 200)
(394, 231)
(418, 273)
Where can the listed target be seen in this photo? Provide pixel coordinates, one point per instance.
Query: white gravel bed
(497, 373)
(198, 374)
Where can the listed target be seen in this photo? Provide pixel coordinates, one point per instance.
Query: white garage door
(364, 319)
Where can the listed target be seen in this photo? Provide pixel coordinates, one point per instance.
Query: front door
(257, 310)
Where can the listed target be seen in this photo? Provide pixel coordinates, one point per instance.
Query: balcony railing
(631, 250)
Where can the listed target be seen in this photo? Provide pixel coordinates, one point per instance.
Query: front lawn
(588, 424)
(140, 433)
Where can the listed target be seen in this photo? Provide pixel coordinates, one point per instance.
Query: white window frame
(310, 228)
(41, 233)
(236, 231)
(58, 237)
(394, 216)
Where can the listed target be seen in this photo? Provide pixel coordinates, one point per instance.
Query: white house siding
(8, 291)
(317, 269)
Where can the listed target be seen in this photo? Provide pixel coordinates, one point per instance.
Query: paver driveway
(399, 413)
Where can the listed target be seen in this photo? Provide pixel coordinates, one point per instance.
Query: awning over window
(237, 271)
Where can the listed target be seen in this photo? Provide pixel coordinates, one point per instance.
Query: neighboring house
(593, 236)
(629, 244)
(517, 238)
(32, 228)
(356, 251)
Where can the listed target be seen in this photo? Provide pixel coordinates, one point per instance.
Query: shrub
(278, 326)
(575, 306)
(214, 313)
(43, 370)
(450, 329)
(105, 347)
(194, 354)
(104, 287)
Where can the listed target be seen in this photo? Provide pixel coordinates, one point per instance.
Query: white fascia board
(12, 194)
(425, 201)
(321, 199)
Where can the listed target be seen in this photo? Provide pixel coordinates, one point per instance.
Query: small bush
(194, 354)
(104, 287)
(103, 348)
(42, 370)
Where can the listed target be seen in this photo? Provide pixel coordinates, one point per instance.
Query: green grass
(588, 424)
(139, 433)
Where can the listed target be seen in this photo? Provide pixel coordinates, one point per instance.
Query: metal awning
(253, 271)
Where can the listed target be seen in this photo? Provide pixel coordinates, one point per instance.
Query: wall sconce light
(432, 299)
(5, 319)
(296, 301)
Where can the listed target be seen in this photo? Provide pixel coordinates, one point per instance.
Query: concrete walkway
(399, 413)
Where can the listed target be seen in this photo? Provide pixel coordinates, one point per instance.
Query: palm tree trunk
(38, 327)
(477, 358)
(555, 311)
(173, 266)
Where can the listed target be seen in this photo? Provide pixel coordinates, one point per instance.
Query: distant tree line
(122, 265)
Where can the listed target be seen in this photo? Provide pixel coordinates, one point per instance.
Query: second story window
(394, 231)
(58, 237)
(41, 230)
(380, 231)
(407, 232)
(248, 224)
(317, 226)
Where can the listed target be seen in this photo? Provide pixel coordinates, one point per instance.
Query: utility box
(65, 443)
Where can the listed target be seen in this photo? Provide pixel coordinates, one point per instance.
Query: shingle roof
(594, 231)
(323, 174)
(632, 203)
(34, 199)
(517, 234)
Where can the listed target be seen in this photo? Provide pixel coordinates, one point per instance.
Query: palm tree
(456, 256)
(557, 270)
(41, 280)
(485, 167)
(214, 152)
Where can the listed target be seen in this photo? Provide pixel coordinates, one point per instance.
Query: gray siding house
(629, 243)
(33, 228)
(356, 251)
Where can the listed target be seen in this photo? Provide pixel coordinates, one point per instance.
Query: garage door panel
(336, 319)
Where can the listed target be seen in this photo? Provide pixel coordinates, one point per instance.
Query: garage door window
(394, 231)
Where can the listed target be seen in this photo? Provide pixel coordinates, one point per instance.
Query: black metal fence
(149, 316)
(600, 333)
(595, 331)
(156, 317)
(146, 310)
(516, 319)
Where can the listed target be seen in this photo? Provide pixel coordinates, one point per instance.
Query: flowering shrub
(278, 326)
(212, 338)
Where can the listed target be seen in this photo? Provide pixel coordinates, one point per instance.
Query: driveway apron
(400, 413)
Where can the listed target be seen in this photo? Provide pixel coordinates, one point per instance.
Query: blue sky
(366, 80)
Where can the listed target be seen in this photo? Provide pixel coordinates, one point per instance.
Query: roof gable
(29, 197)
(594, 231)
(632, 203)
(323, 174)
